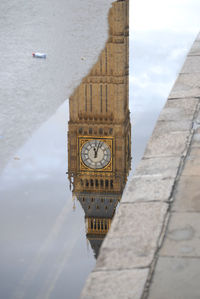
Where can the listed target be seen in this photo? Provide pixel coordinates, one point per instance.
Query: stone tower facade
(99, 118)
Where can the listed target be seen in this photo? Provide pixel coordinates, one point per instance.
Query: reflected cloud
(157, 59)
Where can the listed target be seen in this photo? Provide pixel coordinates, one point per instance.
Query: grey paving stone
(194, 152)
(187, 195)
(127, 284)
(166, 144)
(195, 49)
(166, 167)
(198, 118)
(176, 278)
(183, 235)
(191, 65)
(134, 213)
(196, 138)
(186, 85)
(192, 164)
(152, 188)
(133, 236)
(179, 109)
(169, 126)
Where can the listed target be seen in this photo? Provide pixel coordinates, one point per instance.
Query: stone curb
(128, 255)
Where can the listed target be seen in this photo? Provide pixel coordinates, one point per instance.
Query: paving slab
(191, 65)
(195, 49)
(186, 85)
(166, 167)
(169, 126)
(154, 188)
(167, 144)
(179, 109)
(198, 117)
(133, 236)
(127, 284)
(194, 152)
(176, 278)
(196, 138)
(183, 235)
(134, 213)
(187, 195)
(192, 163)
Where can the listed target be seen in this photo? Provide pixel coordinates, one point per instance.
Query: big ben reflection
(99, 136)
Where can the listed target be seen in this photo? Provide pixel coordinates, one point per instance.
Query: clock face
(95, 154)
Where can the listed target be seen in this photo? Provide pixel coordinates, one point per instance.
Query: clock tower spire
(99, 136)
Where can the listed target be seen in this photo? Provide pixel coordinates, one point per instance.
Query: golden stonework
(99, 131)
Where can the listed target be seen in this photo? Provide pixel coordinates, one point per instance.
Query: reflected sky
(161, 35)
(40, 230)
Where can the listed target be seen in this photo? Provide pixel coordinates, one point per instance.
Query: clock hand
(98, 146)
(95, 152)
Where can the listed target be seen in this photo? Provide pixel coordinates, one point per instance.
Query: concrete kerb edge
(166, 217)
(165, 221)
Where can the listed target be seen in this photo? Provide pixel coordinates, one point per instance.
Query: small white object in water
(39, 55)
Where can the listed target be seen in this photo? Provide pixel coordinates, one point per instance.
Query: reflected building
(99, 136)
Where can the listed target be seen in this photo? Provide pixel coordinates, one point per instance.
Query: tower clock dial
(95, 154)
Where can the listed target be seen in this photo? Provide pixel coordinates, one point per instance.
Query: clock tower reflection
(99, 136)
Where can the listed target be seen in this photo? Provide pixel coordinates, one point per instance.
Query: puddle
(51, 234)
